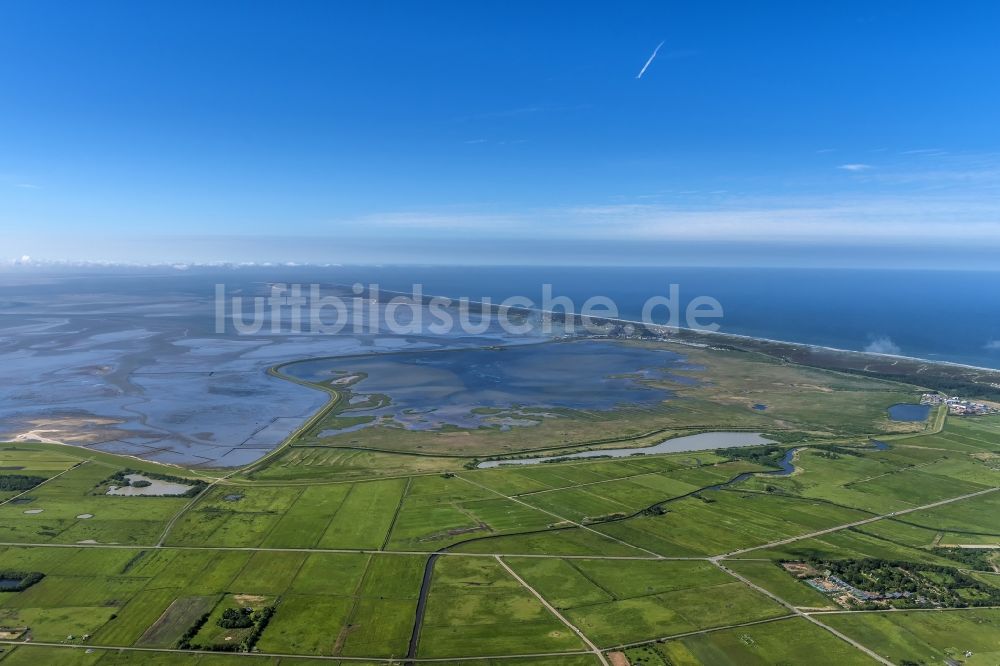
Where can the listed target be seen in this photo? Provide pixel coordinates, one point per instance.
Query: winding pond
(701, 442)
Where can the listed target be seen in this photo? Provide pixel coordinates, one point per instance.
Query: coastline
(692, 331)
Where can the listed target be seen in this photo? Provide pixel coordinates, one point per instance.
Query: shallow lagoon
(701, 442)
(133, 365)
(504, 388)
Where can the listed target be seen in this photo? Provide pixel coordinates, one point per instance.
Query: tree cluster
(236, 618)
(19, 482)
(25, 579)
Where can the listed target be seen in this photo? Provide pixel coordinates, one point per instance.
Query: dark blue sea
(939, 315)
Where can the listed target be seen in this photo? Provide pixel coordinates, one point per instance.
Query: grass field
(809, 400)
(927, 637)
(477, 608)
(338, 540)
(791, 641)
(67, 509)
(773, 578)
(622, 602)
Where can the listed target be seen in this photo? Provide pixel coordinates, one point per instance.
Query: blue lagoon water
(129, 361)
(909, 412)
(500, 387)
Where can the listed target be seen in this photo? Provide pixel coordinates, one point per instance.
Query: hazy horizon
(382, 133)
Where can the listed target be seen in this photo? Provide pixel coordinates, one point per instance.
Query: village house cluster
(958, 406)
(845, 594)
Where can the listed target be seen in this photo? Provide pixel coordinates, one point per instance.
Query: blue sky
(500, 132)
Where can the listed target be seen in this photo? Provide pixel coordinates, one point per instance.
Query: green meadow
(381, 556)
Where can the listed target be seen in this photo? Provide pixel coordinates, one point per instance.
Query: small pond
(906, 411)
(155, 487)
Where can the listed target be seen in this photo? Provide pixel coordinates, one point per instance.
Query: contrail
(650, 61)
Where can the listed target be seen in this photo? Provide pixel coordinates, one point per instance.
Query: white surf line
(552, 609)
(51, 478)
(719, 335)
(565, 520)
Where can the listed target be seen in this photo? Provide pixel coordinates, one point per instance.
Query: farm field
(320, 553)
(927, 637)
(19, 472)
(616, 603)
(770, 576)
(789, 641)
(70, 508)
(475, 605)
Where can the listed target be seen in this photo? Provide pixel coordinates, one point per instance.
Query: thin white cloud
(883, 345)
(27, 186)
(925, 151)
(992, 345)
(954, 202)
(918, 219)
(650, 61)
(855, 167)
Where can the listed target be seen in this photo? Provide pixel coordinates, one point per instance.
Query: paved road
(844, 637)
(552, 609)
(561, 518)
(297, 657)
(717, 560)
(370, 551)
(51, 478)
(856, 523)
(625, 646)
(194, 500)
(901, 610)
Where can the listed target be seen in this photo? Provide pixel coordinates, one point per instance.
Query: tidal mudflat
(496, 387)
(133, 365)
